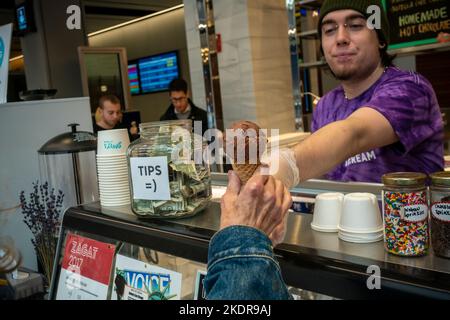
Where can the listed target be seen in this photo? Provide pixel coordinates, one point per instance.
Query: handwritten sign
(150, 177)
(414, 213)
(85, 269)
(441, 211)
(416, 22)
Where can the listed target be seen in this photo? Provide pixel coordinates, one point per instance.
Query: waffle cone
(245, 171)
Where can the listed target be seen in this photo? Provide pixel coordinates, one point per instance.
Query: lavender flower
(41, 215)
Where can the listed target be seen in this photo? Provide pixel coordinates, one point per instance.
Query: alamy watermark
(374, 280)
(242, 147)
(73, 21)
(374, 20)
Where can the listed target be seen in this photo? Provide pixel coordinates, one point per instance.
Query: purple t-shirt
(407, 100)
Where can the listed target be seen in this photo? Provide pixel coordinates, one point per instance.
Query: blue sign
(2, 51)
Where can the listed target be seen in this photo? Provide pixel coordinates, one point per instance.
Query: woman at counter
(379, 120)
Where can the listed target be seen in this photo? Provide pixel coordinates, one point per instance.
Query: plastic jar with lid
(405, 213)
(168, 176)
(440, 213)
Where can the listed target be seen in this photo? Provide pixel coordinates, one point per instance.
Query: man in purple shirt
(380, 119)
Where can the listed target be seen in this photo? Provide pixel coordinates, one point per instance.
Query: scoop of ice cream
(245, 142)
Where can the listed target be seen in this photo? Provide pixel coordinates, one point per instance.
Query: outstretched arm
(362, 131)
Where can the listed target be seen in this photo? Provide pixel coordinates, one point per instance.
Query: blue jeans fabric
(241, 266)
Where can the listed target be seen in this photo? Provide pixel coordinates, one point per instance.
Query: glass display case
(175, 251)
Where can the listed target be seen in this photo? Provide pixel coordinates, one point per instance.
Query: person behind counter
(241, 262)
(182, 107)
(379, 120)
(109, 116)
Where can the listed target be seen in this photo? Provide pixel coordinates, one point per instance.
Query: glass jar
(167, 173)
(405, 213)
(440, 213)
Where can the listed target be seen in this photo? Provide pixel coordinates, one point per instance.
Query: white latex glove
(282, 165)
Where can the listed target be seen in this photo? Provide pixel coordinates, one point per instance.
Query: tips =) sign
(150, 178)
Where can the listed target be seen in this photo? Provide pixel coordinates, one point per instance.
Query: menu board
(416, 22)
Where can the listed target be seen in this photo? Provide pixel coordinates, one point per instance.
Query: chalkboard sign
(416, 22)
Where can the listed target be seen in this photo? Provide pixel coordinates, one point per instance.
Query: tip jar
(168, 177)
(405, 213)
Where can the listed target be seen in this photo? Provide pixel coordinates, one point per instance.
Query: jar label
(414, 213)
(150, 178)
(441, 211)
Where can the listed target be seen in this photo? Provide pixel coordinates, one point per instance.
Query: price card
(150, 177)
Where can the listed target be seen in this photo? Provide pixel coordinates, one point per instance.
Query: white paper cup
(111, 156)
(113, 173)
(360, 214)
(113, 179)
(112, 142)
(112, 168)
(113, 188)
(327, 212)
(112, 160)
(360, 237)
(115, 194)
(122, 163)
(112, 164)
(114, 198)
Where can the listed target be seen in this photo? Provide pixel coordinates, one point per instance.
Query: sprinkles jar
(405, 213)
(440, 213)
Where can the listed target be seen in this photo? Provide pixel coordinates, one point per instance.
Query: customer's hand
(262, 203)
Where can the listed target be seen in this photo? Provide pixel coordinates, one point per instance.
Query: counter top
(309, 259)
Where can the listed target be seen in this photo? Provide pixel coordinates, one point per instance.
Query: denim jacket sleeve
(241, 266)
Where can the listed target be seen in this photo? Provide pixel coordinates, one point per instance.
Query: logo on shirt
(361, 158)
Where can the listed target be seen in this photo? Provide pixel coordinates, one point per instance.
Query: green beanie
(357, 5)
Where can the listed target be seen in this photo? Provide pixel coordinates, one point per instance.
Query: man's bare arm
(362, 131)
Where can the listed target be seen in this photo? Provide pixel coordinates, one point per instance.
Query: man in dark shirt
(182, 107)
(110, 114)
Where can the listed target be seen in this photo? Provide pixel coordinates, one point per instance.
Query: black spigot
(73, 126)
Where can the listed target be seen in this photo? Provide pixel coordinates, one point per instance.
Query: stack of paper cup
(112, 167)
(360, 219)
(327, 212)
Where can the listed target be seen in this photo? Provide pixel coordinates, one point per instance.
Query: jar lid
(168, 123)
(70, 142)
(404, 179)
(441, 178)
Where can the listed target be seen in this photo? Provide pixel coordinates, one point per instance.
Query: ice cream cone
(245, 164)
(245, 171)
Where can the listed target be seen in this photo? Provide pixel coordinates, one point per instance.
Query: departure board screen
(156, 72)
(133, 76)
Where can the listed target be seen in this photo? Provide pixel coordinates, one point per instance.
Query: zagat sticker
(441, 211)
(414, 213)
